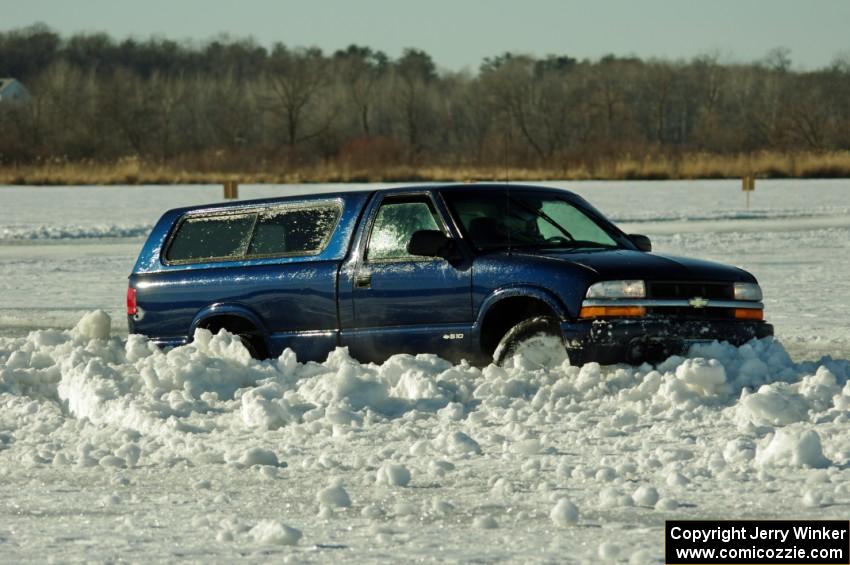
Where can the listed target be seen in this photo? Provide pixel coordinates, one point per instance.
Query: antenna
(507, 191)
(505, 160)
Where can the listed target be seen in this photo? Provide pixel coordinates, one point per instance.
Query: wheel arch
(507, 307)
(234, 318)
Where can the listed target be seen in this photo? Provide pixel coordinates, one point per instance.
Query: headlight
(617, 289)
(748, 291)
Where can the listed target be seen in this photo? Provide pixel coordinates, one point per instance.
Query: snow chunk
(440, 467)
(333, 497)
(357, 389)
(776, 405)
(645, 496)
(564, 514)
(816, 499)
(675, 479)
(271, 532)
(706, 377)
(739, 451)
(606, 474)
(609, 552)
(263, 407)
(93, 325)
(372, 512)
(666, 505)
(458, 443)
(452, 411)
(485, 523)
(392, 474)
(259, 456)
(138, 347)
(442, 507)
(223, 345)
(530, 446)
(112, 461)
(792, 448)
(612, 498)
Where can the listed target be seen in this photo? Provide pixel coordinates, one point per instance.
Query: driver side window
(395, 223)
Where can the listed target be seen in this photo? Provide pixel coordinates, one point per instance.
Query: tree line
(231, 104)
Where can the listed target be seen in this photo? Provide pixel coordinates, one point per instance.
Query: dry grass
(691, 166)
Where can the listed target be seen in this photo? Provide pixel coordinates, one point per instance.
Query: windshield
(500, 219)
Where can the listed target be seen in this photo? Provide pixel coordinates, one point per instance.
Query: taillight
(131, 301)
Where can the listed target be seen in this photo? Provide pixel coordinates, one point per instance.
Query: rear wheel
(250, 336)
(538, 340)
(254, 345)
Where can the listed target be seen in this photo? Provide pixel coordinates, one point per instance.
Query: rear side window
(279, 231)
(293, 231)
(208, 237)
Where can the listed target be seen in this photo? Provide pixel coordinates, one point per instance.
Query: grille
(687, 290)
(683, 313)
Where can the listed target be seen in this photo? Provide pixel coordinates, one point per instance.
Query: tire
(254, 345)
(538, 340)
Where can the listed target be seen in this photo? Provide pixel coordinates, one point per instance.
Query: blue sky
(460, 33)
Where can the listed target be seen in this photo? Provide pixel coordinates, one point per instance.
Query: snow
(793, 447)
(94, 325)
(564, 514)
(485, 522)
(270, 532)
(393, 474)
(334, 496)
(609, 552)
(72, 231)
(82, 407)
(645, 496)
(205, 454)
(259, 456)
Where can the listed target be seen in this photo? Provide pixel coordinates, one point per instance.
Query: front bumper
(651, 339)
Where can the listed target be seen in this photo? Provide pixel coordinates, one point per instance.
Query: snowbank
(72, 231)
(418, 440)
(213, 385)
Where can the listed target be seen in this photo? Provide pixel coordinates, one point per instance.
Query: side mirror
(429, 243)
(642, 242)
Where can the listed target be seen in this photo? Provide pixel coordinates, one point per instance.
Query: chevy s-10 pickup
(466, 271)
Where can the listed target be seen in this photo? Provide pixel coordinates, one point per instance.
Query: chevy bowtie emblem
(698, 302)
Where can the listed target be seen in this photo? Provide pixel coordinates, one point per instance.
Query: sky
(459, 34)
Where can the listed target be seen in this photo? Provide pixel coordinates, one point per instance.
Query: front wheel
(539, 342)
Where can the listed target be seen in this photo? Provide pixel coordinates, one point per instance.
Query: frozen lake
(111, 449)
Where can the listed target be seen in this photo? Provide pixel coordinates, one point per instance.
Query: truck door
(405, 303)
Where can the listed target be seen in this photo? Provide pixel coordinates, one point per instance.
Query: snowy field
(112, 450)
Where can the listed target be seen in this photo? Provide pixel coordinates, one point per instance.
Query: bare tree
(360, 69)
(413, 76)
(293, 83)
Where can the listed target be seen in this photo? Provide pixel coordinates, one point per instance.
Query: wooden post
(748, 185)
(231, 190)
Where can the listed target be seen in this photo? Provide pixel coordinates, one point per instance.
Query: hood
(626, 264)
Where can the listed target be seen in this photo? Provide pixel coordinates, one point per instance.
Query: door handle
(363, 281)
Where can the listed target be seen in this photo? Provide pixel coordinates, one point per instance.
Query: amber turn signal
(749, 314)
(612, 312)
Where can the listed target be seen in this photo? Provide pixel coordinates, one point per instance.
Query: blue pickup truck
(466, 271)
